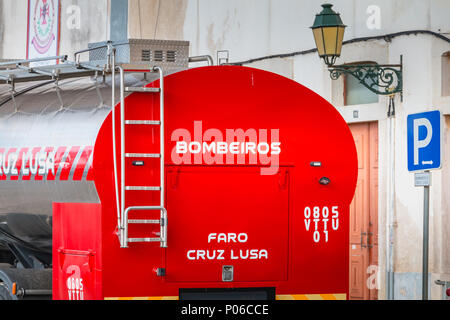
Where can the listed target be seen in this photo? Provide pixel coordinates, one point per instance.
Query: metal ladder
(123, 211)
(77, 69)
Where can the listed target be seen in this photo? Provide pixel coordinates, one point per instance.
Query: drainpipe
(118, 20)
(390, 203)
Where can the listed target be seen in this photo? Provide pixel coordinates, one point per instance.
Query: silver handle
(163, 224)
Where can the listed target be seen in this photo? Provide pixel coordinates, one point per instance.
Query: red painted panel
(309, 221)
(243, 224)
(76, 276)
(77, 251)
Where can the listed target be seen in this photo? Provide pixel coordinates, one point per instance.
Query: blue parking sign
(424, 141)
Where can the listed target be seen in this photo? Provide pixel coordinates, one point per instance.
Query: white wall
(13, 26)
(13, 34)
(94, 24)
(256, 28)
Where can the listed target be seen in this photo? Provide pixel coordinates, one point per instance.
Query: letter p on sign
(424, 141)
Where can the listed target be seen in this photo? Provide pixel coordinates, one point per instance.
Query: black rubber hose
(25, 91)
(21, 242)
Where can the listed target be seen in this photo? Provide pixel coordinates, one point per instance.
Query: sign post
(426, 228)
(423, 179)
(424, 154)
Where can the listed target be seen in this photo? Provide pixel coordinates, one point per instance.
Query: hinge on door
(369, 234)
(362, 241)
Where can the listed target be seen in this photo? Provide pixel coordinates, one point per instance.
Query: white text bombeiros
(224, 148)
(229, 146)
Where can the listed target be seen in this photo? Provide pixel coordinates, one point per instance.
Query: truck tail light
(14, 289)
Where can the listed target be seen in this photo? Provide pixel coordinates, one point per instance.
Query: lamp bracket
(383, 79)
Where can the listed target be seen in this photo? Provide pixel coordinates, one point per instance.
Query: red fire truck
(131, 176)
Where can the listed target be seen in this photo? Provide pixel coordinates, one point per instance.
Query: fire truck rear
(133, 176)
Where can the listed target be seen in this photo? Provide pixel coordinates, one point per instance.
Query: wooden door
(364, 215)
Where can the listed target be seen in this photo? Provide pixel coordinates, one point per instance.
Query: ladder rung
(141, 89)
(146, 122)
(142, 188)
(144, 221)
(144, 239)
(143, 155)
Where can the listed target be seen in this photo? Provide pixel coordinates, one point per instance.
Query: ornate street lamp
(328, 31)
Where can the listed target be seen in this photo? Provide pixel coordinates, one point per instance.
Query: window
(446, 74)
(357, 93)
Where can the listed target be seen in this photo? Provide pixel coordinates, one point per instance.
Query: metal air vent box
(171, 55)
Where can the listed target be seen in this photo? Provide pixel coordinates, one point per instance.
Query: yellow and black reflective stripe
(332, 296)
